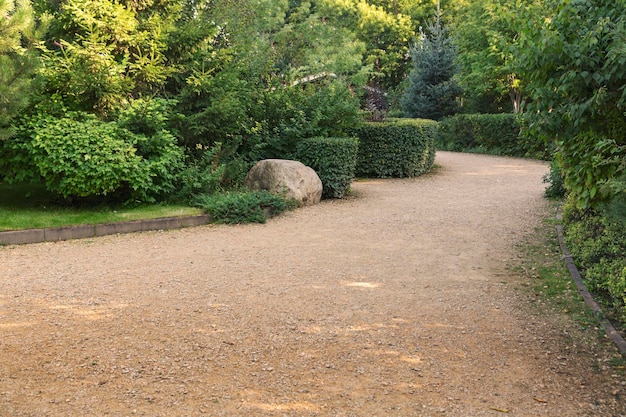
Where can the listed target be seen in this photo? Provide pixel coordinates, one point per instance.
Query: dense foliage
(488, 133)
(486, 36)
(432, 90)
(598, 243)
(18, 34)
(243, 207)
(80, 156)
(396, 148)
(574, 63)
(334, 160)
(573, 58)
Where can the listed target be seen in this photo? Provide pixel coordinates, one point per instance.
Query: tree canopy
(573, 59)
(432, 91)
(18, 34)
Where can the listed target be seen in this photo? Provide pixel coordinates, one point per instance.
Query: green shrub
(201, 176)
(81, 156)
(334, 160)
(598, 244)
(243, 207)
(488, 133)
(396, 148)
(162, 158)
(288, 115)
(554, 179)
(591, 166)
(78, 156)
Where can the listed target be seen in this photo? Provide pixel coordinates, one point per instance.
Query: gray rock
(292, 179)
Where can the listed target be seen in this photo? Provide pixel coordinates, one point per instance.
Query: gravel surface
(398, 301)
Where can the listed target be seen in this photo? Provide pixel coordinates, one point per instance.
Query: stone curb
(54, 234)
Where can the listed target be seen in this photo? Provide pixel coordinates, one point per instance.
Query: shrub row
(500, 134)
(597, 242)
(334, 160)
(396, 148)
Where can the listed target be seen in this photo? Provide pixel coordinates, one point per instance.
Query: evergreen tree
(16, 60)
(432, 91)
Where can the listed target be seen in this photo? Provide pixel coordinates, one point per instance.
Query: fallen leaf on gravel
(539, 400)
(502, 410)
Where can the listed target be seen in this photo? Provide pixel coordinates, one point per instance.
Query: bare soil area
(399, 301)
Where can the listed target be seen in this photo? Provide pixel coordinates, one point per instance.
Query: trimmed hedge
(334, 160)
(479, 131)
(488, 133)
(396, 148)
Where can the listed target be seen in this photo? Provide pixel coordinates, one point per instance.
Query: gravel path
(400, 301)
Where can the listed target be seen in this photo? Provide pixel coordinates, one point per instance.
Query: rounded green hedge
(500, 134)
(396, 148)
(334, 160)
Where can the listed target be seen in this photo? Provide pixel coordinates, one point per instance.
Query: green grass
(549, 281)
(31, 206)
(551, 291)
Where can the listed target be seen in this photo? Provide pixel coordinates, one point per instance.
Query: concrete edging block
(52, 234)
(69, 232)
(21, 237)
(105, 229)
(162, 224)
(195, 220)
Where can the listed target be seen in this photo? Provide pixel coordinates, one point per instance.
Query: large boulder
(292, 179)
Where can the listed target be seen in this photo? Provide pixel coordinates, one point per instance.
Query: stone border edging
(54, 234)
(610, 331)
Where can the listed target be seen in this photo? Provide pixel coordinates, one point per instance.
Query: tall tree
(432, 92)
(484, 32)
(573, 57)
(386, 34)
(18, 32)
(100, 54)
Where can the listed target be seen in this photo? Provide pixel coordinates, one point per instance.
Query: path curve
(397, 302)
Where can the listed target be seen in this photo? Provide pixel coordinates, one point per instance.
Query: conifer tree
(432, 91)
(16, 60)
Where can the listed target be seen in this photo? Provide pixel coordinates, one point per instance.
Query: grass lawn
(31, 206)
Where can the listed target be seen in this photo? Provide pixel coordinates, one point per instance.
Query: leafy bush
(334, 160)
(202, 176)
(80, 156)
(162, 158)
(243, 207)
(598, 243)
(396, 148)
(487, 133)
(592, 164)
(554, 179)
(574, 76)
(289, 115)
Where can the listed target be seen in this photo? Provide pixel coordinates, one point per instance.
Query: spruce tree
(16, 60)
(432, 91)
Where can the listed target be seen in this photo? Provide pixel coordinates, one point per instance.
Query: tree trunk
(516, 99)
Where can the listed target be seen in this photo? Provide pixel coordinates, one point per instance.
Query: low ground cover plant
(597, 241)
(243, 206)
